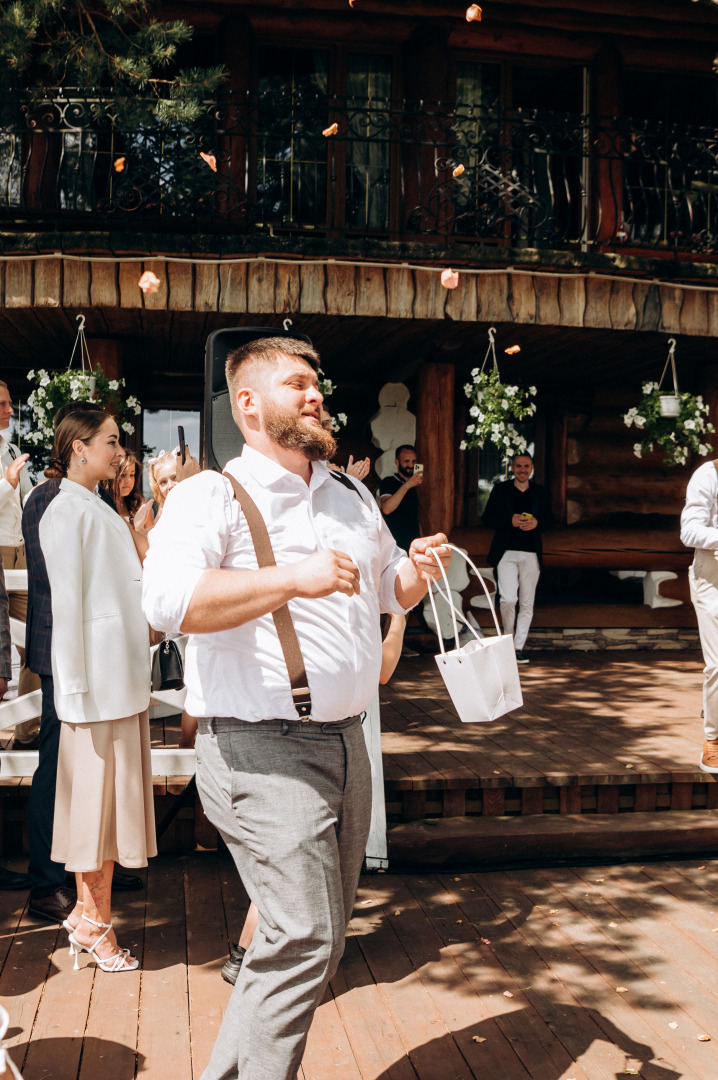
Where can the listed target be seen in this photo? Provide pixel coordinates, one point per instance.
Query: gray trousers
(292, 801)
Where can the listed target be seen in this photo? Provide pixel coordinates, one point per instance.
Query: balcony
(394, 171)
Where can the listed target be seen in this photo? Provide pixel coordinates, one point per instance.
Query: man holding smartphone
(398, 497)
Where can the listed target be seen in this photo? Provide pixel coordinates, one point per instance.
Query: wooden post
(426, 73)
(107, 352)
(435, 446)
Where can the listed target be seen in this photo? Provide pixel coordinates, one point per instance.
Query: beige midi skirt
(103, 801)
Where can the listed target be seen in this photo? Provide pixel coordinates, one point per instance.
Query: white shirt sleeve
(699, 520)
(190, 537)
(6, 491)
(392, 558)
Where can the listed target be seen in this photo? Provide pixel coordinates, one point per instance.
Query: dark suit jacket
(38, 628)
(5, 642)
(499, 511)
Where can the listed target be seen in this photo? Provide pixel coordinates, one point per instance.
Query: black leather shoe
(122, 882)
(53, 908)
(11, 880)
(33, 744)
(231, 969)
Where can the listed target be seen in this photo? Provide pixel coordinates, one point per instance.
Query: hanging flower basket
(496, 408)
(326, 389)
(55, 389)
(674, 422)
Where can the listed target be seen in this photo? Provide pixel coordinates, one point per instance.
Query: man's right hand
(324, 573)
(12, 473)
(415, 480)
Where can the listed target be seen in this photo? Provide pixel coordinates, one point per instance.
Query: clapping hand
(358, 469)
(12, 473)
(144, 519)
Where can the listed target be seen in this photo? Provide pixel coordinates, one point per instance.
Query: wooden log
(104, 290)
(648, 307)
(48, 283)
(598, 295)
(130, 292)
(286, 289)
(548, 309)
(621, 306)
(313, 284)
(493, 298)
(693, 317)
(233, 287)
(572, 300)
(462, 302)
(435, 446)
(156, 301)
(18, 283)
(671, 300)
(712, 306)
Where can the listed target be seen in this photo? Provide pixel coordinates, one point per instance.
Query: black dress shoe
(122, 882)
(10, 880)
(231, 969)
(53, 908)
(33, 744)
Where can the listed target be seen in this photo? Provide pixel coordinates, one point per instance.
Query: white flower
(467, 389)
(39, 394)
(137, 410)
(129, 428)
(470, 429)
(74, 395)
(44, 380)
(474, 373)
(31, 374)
(462, 445)
(638, 449)
(131, 402)
(511, 390)
(532, 391)
(703, 449)
(342, 418)
(474, 410)
(113, 384)
(689, 425)
(504, 403)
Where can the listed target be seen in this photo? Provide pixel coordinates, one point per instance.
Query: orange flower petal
(211, 161)
(473, 13)
(149, 282)
(703, 1038)
(459, 171)
(119, 164)
(449, 278)
(512, 349)
(331, 130)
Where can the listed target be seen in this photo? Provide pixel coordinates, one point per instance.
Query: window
(159, 433)
(368, 146)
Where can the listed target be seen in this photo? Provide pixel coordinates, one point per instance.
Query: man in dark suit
(51, 898)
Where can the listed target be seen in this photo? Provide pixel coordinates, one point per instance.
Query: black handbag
(167, 671)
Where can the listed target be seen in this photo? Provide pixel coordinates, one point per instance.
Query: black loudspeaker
(222, 438)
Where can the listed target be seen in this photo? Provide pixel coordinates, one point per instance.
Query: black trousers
(47, 875)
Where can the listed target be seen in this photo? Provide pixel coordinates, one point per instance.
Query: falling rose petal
(478, 1038)
(673, 1025)
(149, 282)
(210, 159)
(629, 766)
(600, 880)
(507, 993)
(473, 13)
(458, 171)
(512, 349)
(449, 278)
(703, 1038)
(459, 922)
(621, 989)
(457, 879)
(331, 130)
(553, 911)
(397, 912)
(486, 941)
(613, 924)
(700, 867)
(119, 164)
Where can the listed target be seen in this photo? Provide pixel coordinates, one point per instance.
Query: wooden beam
(435, 446)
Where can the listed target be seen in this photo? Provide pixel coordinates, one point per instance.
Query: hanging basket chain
(670, 359)
(491, 350)
(84, 351)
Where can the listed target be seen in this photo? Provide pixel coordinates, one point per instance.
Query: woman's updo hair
(77, 424)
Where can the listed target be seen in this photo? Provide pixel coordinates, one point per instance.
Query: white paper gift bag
(482, 677)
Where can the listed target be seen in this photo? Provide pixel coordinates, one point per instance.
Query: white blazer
(100, 638)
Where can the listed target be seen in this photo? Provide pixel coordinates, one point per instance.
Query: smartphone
(418, 469)
(182, 444)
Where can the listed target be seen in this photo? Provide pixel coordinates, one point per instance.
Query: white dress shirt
(11, 499)
(699, 520)
(241, 672)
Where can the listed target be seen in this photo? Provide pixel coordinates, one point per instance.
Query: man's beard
(287, 430)
(406, 470)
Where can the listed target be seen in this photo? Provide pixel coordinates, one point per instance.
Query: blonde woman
(101, 671)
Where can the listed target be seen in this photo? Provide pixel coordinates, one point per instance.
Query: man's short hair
(246, 364)
(3, 383)
(404, 446)
(524, 453)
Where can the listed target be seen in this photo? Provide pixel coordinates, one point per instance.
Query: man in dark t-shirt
(520, 511)
(398, 498)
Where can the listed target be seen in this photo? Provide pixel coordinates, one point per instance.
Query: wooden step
(504, 841)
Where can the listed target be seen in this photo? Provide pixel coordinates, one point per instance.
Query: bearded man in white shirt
(15, 486)
(699, 530)
(291, 799)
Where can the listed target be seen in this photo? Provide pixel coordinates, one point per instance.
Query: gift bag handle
(447, 597)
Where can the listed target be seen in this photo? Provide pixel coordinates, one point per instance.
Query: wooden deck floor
(591, 974)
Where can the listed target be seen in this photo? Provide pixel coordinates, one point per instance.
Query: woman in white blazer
(101, 670)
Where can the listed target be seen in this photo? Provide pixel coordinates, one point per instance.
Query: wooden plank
(18, 283)
(532, 800)
(598, 295)
(341, 289)
(454, 804)
(694, 312)
(206, 286)
(261, 279)
(671, 301)
(607, 799)
(233, 287)
(371, 296)
(522, 298)
(648, 307)
(163, 1035)
(400, 291)
(286, 288)
(681, 796)
(22, 981)
(413, 804)
(570, 800)
(48, 283)
(129, 273)
(313, 283)
(206, 953)
(462, 302)
(156, 301)
(645, 798)
(494, 802)
(180, 276)
(104, 289)
(548, 308)
(493, 298)
(572, 300)
(429, 295)
(621, 306)
(328, 1054)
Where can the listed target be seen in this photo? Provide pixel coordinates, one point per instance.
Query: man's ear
(246, 401)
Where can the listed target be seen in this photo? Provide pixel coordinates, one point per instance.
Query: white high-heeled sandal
(70, 928)
(117, 962)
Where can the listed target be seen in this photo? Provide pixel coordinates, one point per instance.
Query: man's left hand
(190, 467)
(528, 524)
(425, 565)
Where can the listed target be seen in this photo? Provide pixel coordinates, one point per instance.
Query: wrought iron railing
(406, 170)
